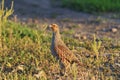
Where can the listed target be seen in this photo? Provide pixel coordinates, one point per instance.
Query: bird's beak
(49, 27)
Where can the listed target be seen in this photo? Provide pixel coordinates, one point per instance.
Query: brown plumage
(60, 50)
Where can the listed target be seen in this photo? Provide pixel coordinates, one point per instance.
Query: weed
(95, 46)
(74, 71)
(4, 14)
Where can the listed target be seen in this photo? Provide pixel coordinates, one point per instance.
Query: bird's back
(64, 53)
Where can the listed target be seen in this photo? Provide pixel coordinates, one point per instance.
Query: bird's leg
(63, 72)
(62, 68)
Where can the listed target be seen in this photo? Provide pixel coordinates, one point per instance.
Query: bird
(60, 50)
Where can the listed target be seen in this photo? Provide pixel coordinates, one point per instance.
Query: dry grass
(25, 55)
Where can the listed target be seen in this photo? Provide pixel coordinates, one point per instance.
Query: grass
(26, 52)
(93, 5)
(25, 55)
(95, 46)
(4, 14)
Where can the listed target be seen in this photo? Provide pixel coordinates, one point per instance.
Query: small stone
(41, 75)
(20, 67)
(23, 23)
(118, 27)
(30, 20)
(83, 37)
(77, 36)
(114, 30)
(36, 21)
(117, 64)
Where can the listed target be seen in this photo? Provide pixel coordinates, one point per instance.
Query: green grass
(23, 46)
(93, 5)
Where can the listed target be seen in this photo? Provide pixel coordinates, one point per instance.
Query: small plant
(4, 14)
(74, 71)
(95, 46)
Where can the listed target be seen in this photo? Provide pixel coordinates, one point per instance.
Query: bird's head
(54, 27)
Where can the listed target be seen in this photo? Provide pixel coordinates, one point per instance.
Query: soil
(50, 11)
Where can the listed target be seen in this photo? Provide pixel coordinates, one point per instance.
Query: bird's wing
(65, 53)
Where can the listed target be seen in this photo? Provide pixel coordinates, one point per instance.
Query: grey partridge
(60, 50)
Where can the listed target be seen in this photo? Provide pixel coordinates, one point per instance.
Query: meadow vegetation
(25, 54)
(93, 5)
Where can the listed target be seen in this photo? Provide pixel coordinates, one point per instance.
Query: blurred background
(44, 9)
(93, 16)
(75, 9)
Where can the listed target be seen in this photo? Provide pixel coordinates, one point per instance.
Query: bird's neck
(56, 36)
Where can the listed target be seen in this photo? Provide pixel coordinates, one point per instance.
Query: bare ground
(50, 11)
